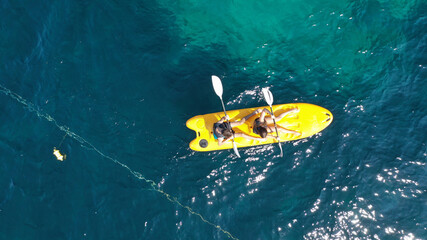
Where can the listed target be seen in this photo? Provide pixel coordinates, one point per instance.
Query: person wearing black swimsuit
(264, 125)
(223, 131)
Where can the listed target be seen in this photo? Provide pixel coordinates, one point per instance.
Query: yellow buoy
(58, 155)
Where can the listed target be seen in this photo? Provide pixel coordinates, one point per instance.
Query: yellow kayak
(310, 120)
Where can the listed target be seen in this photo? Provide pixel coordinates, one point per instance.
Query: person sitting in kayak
(223, 131)
(264, 125)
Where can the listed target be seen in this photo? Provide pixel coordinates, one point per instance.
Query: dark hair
(262, 131)
(227, 133)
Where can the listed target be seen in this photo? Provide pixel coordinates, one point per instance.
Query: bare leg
(244, 135)
(278, 118)
(284, 130)
(293, 110)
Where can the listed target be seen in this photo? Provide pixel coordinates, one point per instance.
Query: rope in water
(32, 108)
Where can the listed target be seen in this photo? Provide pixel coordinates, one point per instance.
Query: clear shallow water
(126, 77)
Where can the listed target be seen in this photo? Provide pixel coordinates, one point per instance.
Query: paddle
(269, 99)
(217, 85)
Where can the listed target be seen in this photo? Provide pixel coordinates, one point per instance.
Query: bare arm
(267, 111)
(223, 140)
(262, 117)
(222, 120)
(238, 123)
(220, 141)
(255, 112)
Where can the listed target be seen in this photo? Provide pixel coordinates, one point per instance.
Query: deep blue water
(119, 80)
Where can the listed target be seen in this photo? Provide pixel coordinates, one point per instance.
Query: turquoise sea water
(112, 83)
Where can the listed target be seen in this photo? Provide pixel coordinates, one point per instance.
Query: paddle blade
(268, 96)
(281, 150)
(217, 85)
(235, 149)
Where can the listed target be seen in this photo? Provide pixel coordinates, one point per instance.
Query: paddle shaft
(228, 121)
(274, 121)
(217, 84)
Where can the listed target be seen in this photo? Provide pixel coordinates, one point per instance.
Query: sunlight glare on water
(120, 80)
